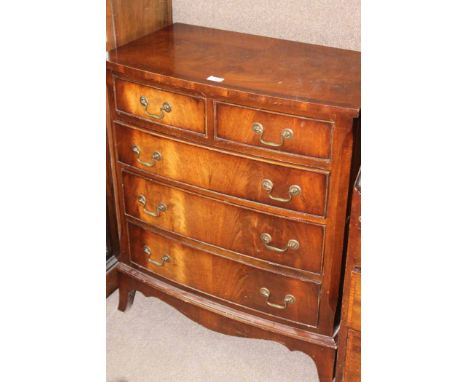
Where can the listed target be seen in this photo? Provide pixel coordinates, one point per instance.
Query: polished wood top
(255, 64)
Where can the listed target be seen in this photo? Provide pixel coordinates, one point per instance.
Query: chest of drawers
(232, 193)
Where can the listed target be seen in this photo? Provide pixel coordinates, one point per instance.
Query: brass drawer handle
(161, 207)
(288, 299)
(294, 190)
(266, 240)
(156, 157)
(257, 128)
(165, 108)
(164, 259)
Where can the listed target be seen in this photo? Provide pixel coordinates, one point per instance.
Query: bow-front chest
(231, 158)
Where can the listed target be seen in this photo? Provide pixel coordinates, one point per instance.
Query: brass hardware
(156, 157)
(266, 239)
(257, 128)
(164, 259)
(165, 108)
(288, 299)
(161, 207)
(294, 190)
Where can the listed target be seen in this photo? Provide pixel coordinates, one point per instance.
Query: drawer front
(276, 185)
(184, 112)
(224, 225)
(267, 130)
(354, 308)
(223, 278)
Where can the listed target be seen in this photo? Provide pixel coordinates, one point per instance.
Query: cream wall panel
(334, 23)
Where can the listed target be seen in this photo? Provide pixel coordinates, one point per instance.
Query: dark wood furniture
(349, 352)
(126, 21)
(112, 238)
(232, 193)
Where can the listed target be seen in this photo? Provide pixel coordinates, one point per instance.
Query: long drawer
(286, 187)
(290, 243)
(253, 288)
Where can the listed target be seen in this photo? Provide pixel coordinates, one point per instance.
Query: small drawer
(274, 131)
(277, 240)
(302, 190)
(354, 308)
(160, 106)
(253, 288)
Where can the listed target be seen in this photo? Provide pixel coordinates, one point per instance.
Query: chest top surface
(249, 63)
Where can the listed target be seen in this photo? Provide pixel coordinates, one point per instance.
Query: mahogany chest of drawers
(231, 158)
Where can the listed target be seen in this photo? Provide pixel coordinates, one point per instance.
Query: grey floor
(153, 342)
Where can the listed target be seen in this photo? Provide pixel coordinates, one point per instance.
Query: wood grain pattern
(352, 368)
(349, 354)
(112, 231)
(337, 208)
(126, 21)
(225, 225)
(269, 76)
(188, 112)
(310, 137)
(341, 152)
(112, 235)
(227, 174)
(224, 278)
(249, 63)
(130, 20)
(353, 319)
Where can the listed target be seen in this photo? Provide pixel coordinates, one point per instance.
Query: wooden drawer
(224, 225)
(274, 131)
(354, 308)
(223, 278)
(241, 177)
(186, 112)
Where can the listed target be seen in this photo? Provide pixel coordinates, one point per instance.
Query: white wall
(325, 22)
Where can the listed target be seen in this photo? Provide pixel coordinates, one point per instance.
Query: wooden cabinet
(112, 238)
(349, 353)
(125, 21)
(232, 194)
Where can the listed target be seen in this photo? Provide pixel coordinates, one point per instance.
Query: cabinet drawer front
(228, 174)
(186, 112)
(223, 278)
(268, 130)
(224, 225)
